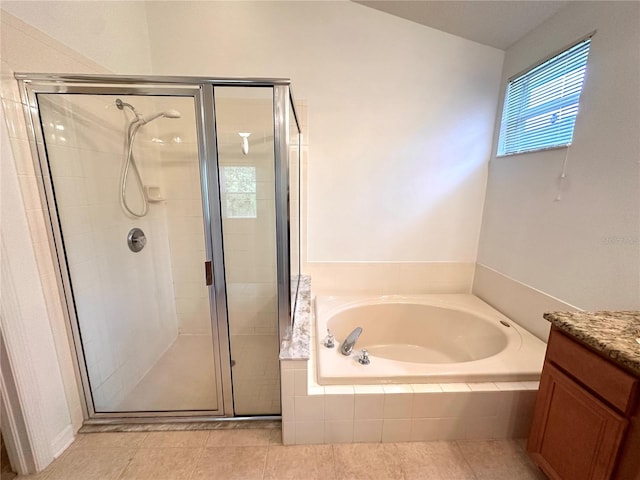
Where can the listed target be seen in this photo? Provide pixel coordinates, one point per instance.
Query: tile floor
(259, 454)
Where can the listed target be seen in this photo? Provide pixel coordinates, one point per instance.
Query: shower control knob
(136, 240)
(363, 359)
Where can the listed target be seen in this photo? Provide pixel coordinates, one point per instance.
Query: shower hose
(130, 162)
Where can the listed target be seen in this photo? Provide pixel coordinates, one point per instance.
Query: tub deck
(519, 358)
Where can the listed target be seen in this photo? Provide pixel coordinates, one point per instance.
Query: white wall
(36, 339)
(400, 116)
(25, 327)
(584, 249)
(112, 33)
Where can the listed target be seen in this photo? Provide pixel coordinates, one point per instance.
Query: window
(238, 192)
(541, 105)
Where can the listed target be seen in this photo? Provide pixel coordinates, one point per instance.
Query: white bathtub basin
(424, 339)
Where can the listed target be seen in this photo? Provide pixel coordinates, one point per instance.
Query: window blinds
(541, 105)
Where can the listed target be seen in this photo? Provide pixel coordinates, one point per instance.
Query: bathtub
(444, 338)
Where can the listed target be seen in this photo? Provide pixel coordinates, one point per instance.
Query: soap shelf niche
(153, 194)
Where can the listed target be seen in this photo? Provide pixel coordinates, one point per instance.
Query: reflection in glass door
(125, 173)
(246, 163)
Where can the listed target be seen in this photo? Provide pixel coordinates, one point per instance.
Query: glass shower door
(246, 165)
(125, 174)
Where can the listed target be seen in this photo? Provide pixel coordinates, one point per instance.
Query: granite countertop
(613, 334)
(297, 345)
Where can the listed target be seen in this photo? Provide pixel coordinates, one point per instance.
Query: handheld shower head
(143, 119)
(167, 113)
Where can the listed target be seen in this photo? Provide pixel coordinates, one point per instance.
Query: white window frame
(227, 195)
(518, 110)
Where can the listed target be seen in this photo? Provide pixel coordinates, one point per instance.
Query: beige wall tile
(369, 406)
(309, 408)
(338, 431)
(310, 432)
(396, 430)
(367, 430)
(339, 407)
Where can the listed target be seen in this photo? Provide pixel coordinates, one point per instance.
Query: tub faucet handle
(363, 359)
(329, 341)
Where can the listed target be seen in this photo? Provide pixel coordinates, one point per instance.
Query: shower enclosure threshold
(265, 423)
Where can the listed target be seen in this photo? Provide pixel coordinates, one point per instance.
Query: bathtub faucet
(349, 343)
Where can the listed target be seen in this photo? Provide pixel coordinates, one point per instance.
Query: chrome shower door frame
(281, 100)
(31, 86)
(201, 89)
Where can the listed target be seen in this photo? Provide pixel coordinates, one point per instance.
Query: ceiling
(495, 23)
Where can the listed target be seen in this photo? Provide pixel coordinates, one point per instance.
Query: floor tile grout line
(333, 461)
(124, 469)
(466, 460)
(396, 454)
(136, 450)
(402, 469)
(196, 462)
(266, 457)
(206, 440)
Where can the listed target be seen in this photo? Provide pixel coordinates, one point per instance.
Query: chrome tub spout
(347, 346)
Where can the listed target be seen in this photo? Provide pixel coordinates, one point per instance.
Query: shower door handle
(208, 272)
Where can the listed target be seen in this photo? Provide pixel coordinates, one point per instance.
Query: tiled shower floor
(182, 379)
(256, 374)
(259, 454)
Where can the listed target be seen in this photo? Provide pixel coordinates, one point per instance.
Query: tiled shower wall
(124, 300)
(249, 253)
(181, 187)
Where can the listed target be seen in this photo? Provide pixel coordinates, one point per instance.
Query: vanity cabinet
(585, 424)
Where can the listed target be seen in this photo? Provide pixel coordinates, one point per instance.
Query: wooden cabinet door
(574, 435)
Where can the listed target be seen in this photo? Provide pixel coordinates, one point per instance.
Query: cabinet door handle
(208, 272)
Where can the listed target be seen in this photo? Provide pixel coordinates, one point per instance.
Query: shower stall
(174, 212)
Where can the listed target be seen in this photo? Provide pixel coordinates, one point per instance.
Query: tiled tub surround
(613, 334)
(312, 413)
